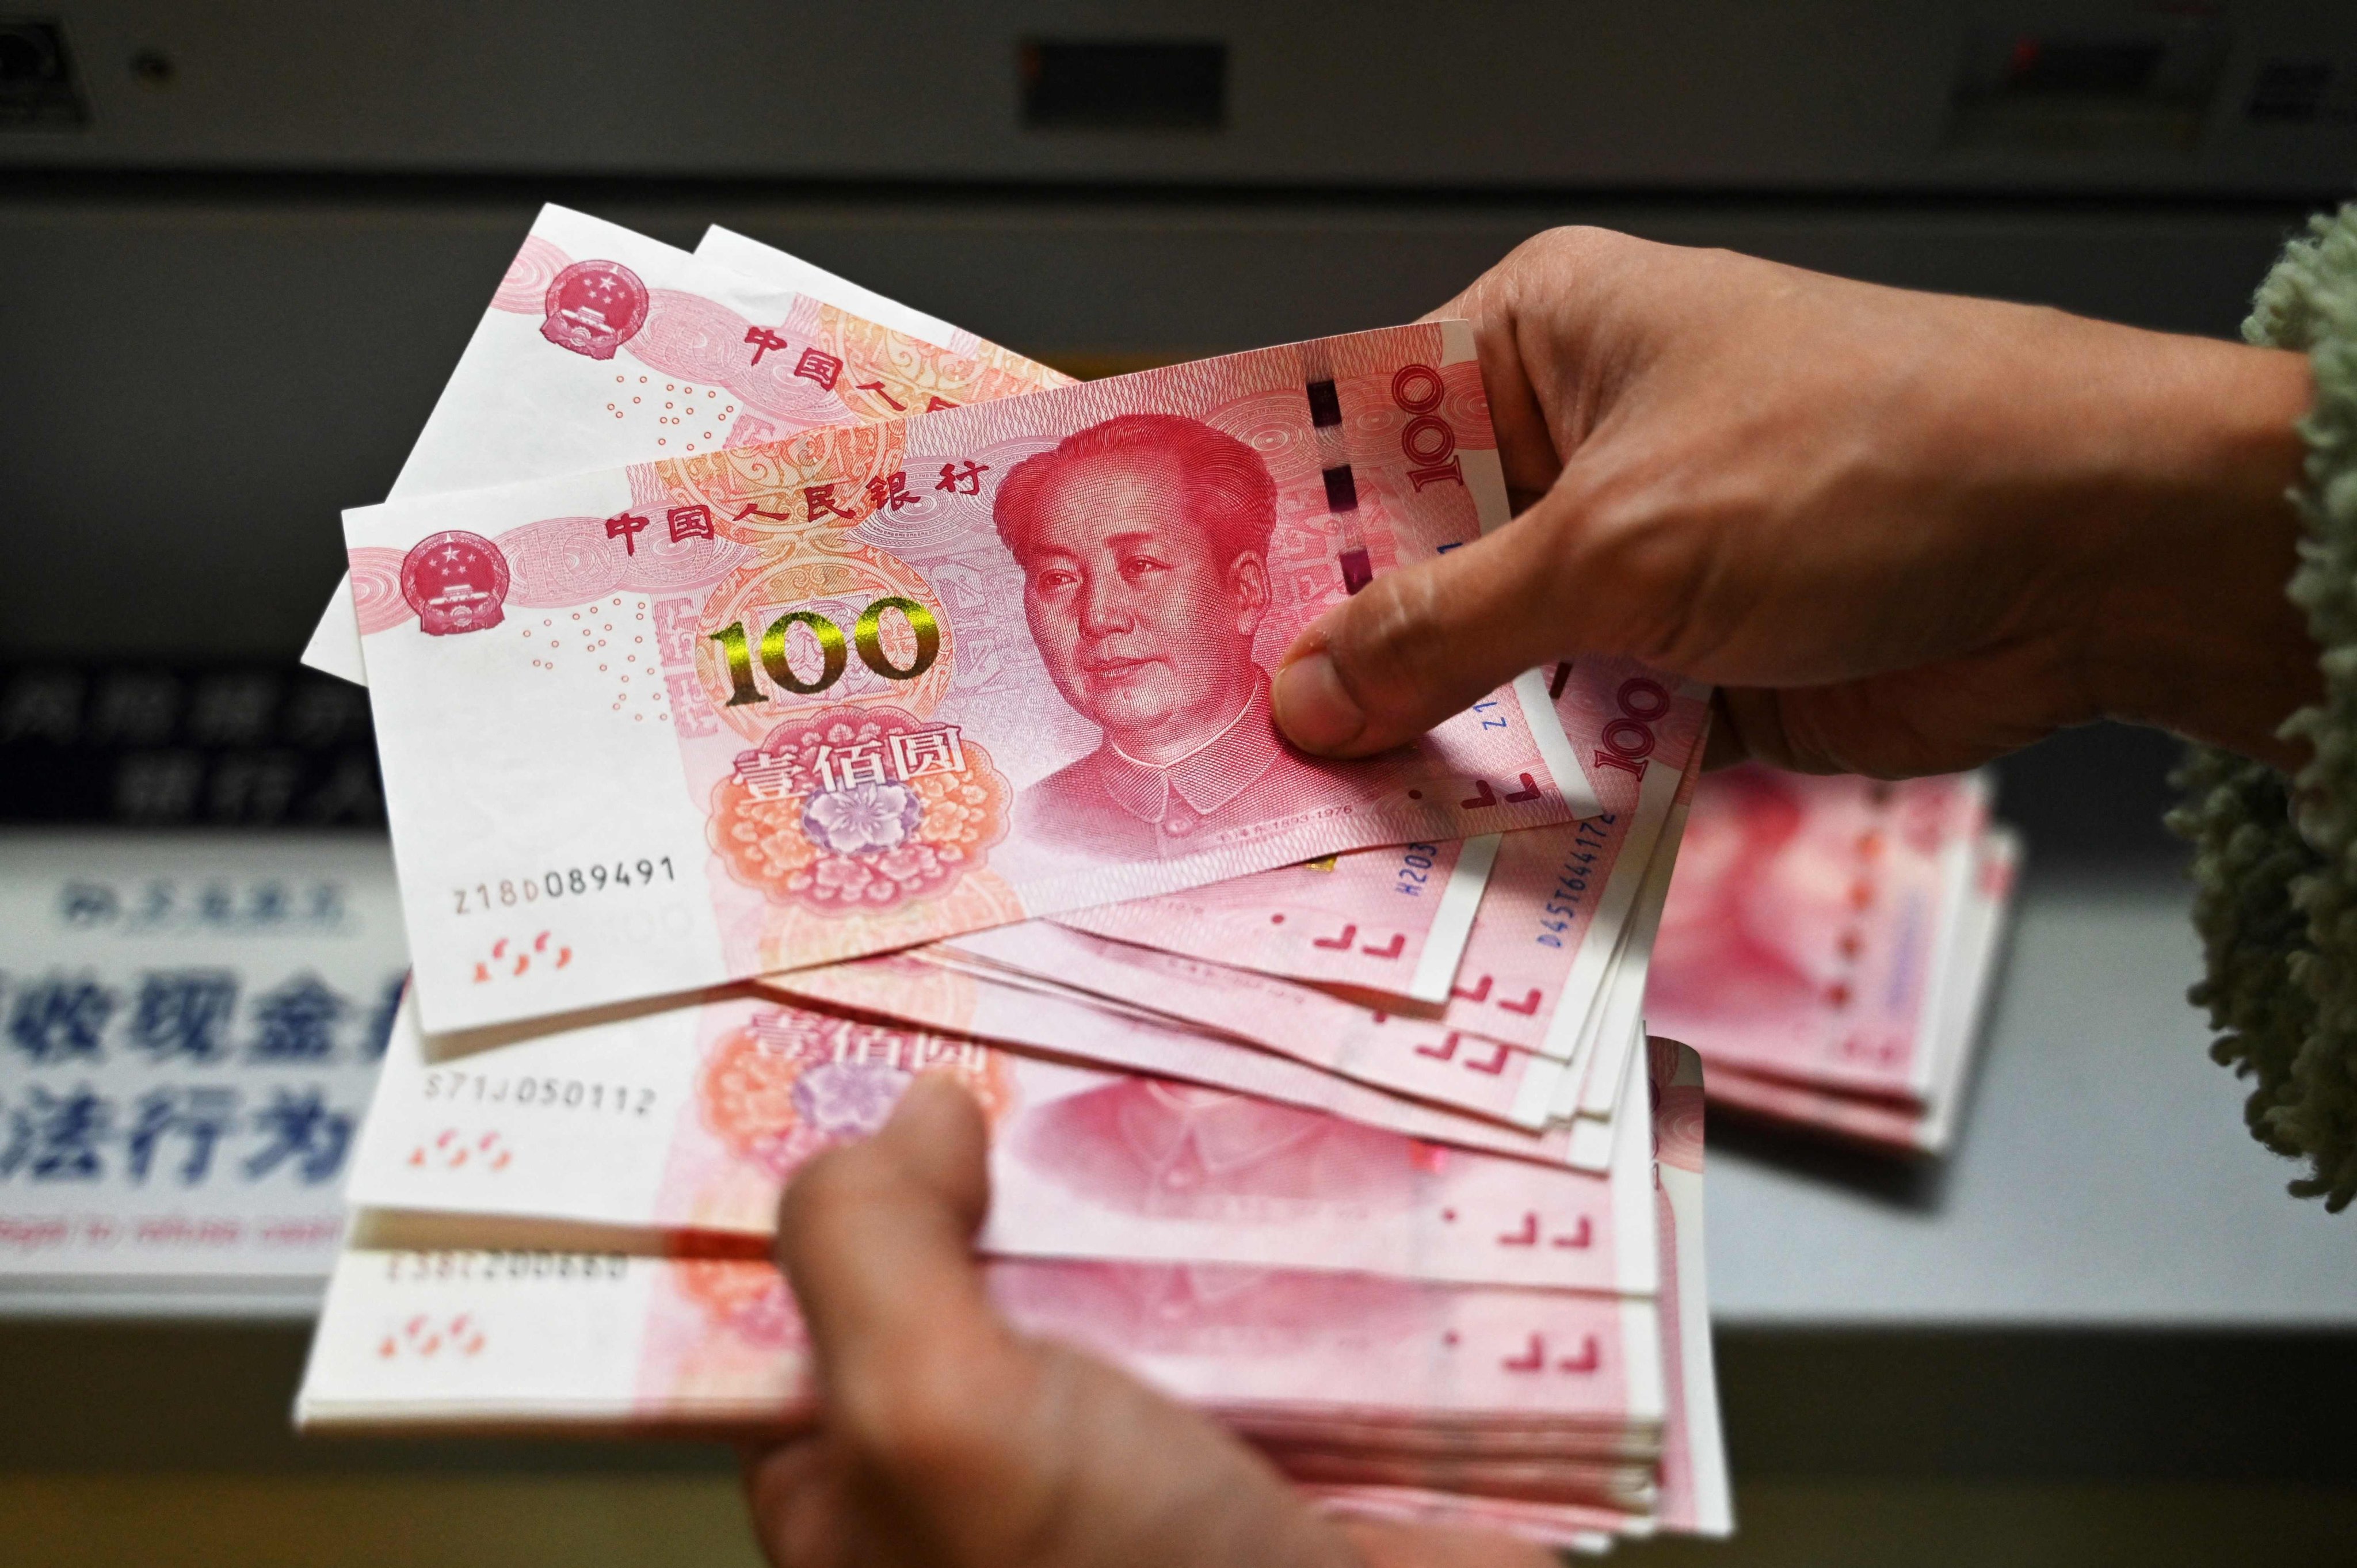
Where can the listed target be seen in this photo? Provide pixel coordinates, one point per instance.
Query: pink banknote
(692, 1119)
(1688, 1490)
(1805, 923)
(1554, 928)
(926, 987)
(1406, 1056)
(749, 258)
(1613, 1044)
(1559, 919)
(1961, 975)
(604, 347)
(539, 1339)
(656, 728)
(1861, 1118)
(1385, 921)
(1560, 1415)
(1697, 1495)
(1552, 919)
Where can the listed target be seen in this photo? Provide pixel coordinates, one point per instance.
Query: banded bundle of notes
(1829, 947)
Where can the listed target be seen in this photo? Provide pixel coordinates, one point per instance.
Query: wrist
(2187, 622)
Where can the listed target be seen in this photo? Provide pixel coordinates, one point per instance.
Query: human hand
(945, 1437)
(1902, 533)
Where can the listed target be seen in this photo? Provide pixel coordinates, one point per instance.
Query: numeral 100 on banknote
(868, 636)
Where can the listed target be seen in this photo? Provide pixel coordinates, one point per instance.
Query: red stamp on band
(594, 307)
(456, 582)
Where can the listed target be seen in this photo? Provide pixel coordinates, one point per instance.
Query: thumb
(1419, 644)
(877, 1239)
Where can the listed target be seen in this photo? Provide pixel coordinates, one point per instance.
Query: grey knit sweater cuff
(2275, 891)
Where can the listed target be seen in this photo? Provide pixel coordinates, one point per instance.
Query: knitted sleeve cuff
(2275, 890)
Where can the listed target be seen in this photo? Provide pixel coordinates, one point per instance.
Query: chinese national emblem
(594, 307)
(456, 582)
(858, 808)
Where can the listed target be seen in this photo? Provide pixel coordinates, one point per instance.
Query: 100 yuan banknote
(1804, 932)
(1390, 921)
(928, 987)
(1961, 974)
(655, 728)
(1558, 900)
(1573, 929)
(1411, 1057)
(694, 1118)
(412, 1338)
(603, 347)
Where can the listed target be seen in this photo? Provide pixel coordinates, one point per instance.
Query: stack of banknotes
(780, 693)
(1829, 945)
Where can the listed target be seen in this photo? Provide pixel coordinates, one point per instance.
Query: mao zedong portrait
(1143, 545)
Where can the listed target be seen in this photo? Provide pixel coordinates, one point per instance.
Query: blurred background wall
(242, 243)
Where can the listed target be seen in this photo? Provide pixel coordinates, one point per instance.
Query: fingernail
(1313, 708)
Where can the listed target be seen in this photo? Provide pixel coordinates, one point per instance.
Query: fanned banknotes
(601, 346)
(661, 727)
(781, 692)
(690, 1120)
(1559, 1411)
(1386, 921)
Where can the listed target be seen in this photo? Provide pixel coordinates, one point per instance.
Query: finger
(1526, 446)
(877, 1239)
(794, 1492)
(1382, 1544)
(1421, 643)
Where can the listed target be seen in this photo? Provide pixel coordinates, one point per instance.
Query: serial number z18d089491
(571, 882)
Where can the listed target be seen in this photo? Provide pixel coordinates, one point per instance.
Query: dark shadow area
(2040, 1404)
(2090, 801)
(1915, 1185)
(148, 1396)
(2044, 1404)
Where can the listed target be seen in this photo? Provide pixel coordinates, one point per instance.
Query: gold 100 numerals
(866, 635)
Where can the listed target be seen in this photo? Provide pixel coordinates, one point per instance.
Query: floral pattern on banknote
(748, 1298)
(858, 808)
(789, 1083)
